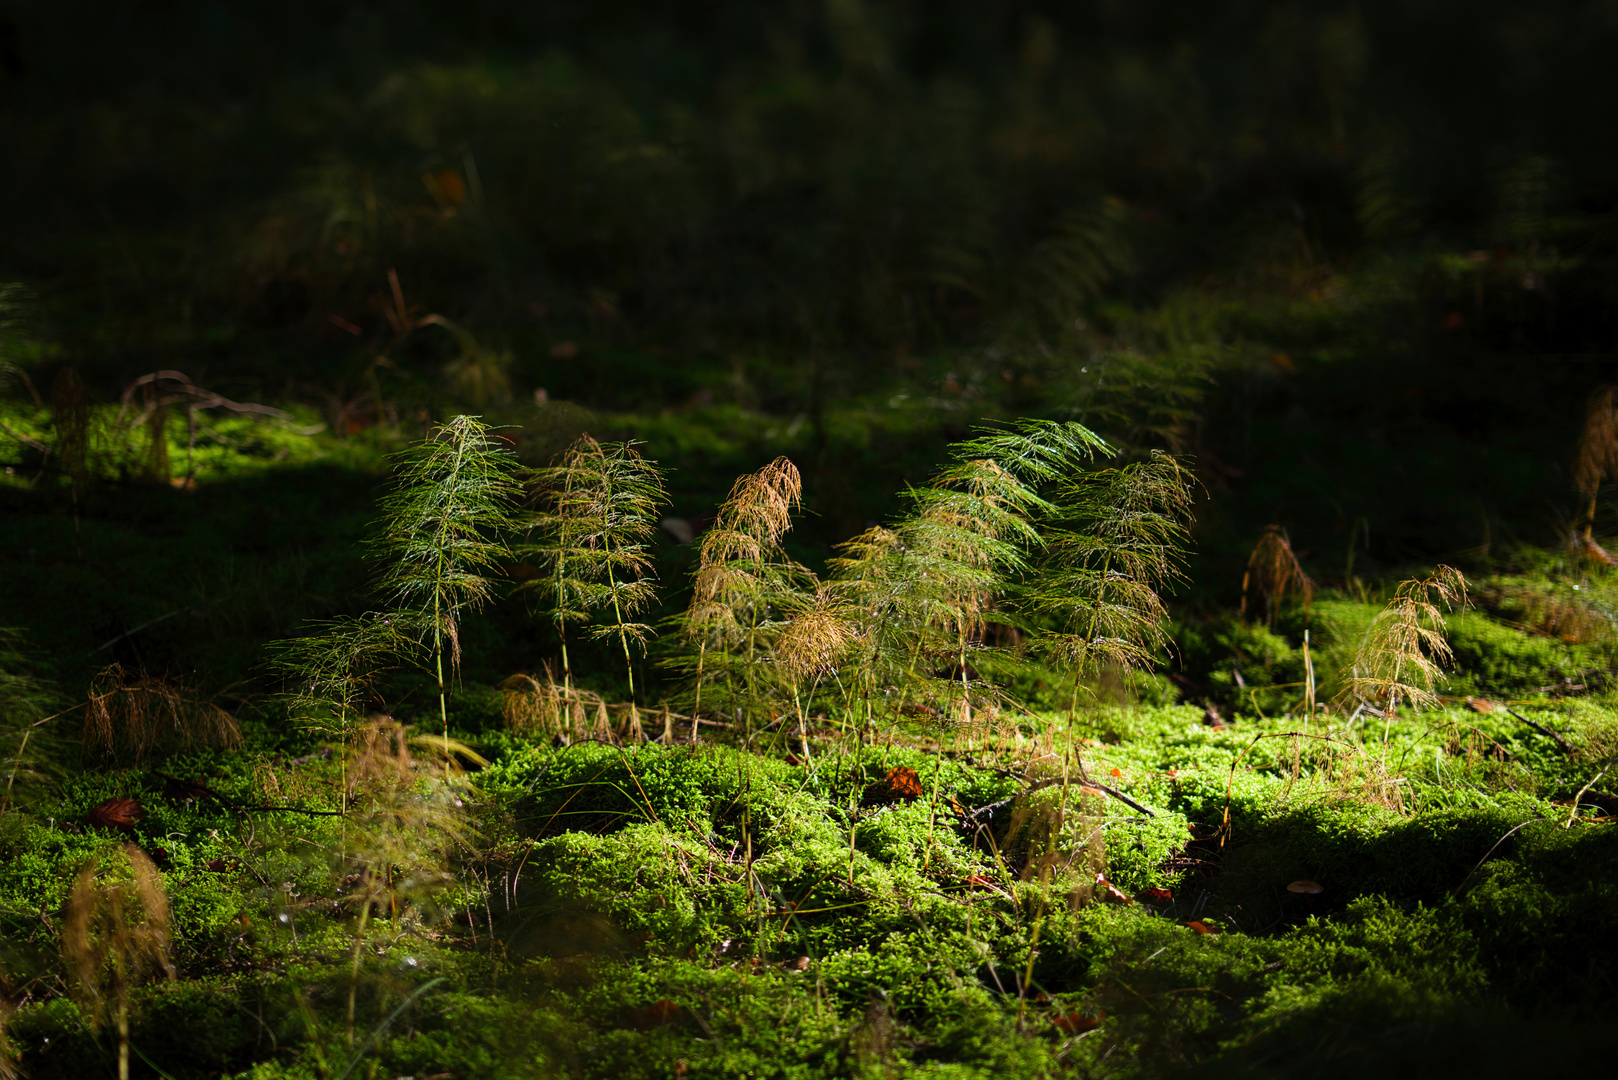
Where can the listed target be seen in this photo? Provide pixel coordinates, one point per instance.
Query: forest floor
(1190, 875)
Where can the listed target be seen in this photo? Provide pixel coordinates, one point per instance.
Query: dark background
(1355, 262)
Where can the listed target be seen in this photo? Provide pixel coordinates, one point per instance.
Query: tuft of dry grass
(114, 937)
(1273, 571)
(546, 707)
(130, 714)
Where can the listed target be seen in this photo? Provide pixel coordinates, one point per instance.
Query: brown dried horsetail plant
(115, 937)
(1403, 652)
(743, 590)
(925, 587)
(130, 714)
(406, 820)
(545, 706)
(810, 647)
(598, 510)
(1107, 541)
(1273, 571)
(1597, 456)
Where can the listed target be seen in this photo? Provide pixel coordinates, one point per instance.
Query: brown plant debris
(1273, 571)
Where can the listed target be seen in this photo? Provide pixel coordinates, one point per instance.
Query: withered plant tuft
(115, 936)
(131, 714)
(1272, 572)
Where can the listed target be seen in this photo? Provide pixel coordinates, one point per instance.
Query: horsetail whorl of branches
(1022, 529)
(1404, 653)
(744, 589)
(597, 512)
(1112, 539)
(439, 535)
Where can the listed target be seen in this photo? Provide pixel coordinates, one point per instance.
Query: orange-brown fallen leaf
(114, 813)
(1077, 1023)
(1110, 892)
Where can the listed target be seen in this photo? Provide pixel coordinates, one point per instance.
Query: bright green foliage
(598, 511)
(440, 534)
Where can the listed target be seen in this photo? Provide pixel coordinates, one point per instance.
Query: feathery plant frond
(598, 512)
(1403, 653)
(1086, 251)
(440, 533)
(1273, 571)
(332, 672)
(114, 937)
(1023, 529)
(1114, 543)
(924, 587)
(744, 591)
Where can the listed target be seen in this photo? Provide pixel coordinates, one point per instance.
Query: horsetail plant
(598, 510)
(1113, 542)
(744, 591)
(1404, 652)
(452, 497)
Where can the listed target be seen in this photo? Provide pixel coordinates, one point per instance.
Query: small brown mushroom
(1306, 888)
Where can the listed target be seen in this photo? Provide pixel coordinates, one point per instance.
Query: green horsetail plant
(1114, 540)
(598, 512)
(926, 587)
(334, 671)
(452, 498)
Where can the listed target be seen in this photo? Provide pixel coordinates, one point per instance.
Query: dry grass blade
(1273, 571)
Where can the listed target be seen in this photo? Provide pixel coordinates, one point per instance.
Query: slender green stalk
(451, 500)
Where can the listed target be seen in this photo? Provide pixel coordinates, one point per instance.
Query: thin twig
(1567, 748)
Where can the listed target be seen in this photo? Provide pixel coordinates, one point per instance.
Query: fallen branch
(1567, 748)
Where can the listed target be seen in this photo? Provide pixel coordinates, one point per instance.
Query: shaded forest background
(1356, 262)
